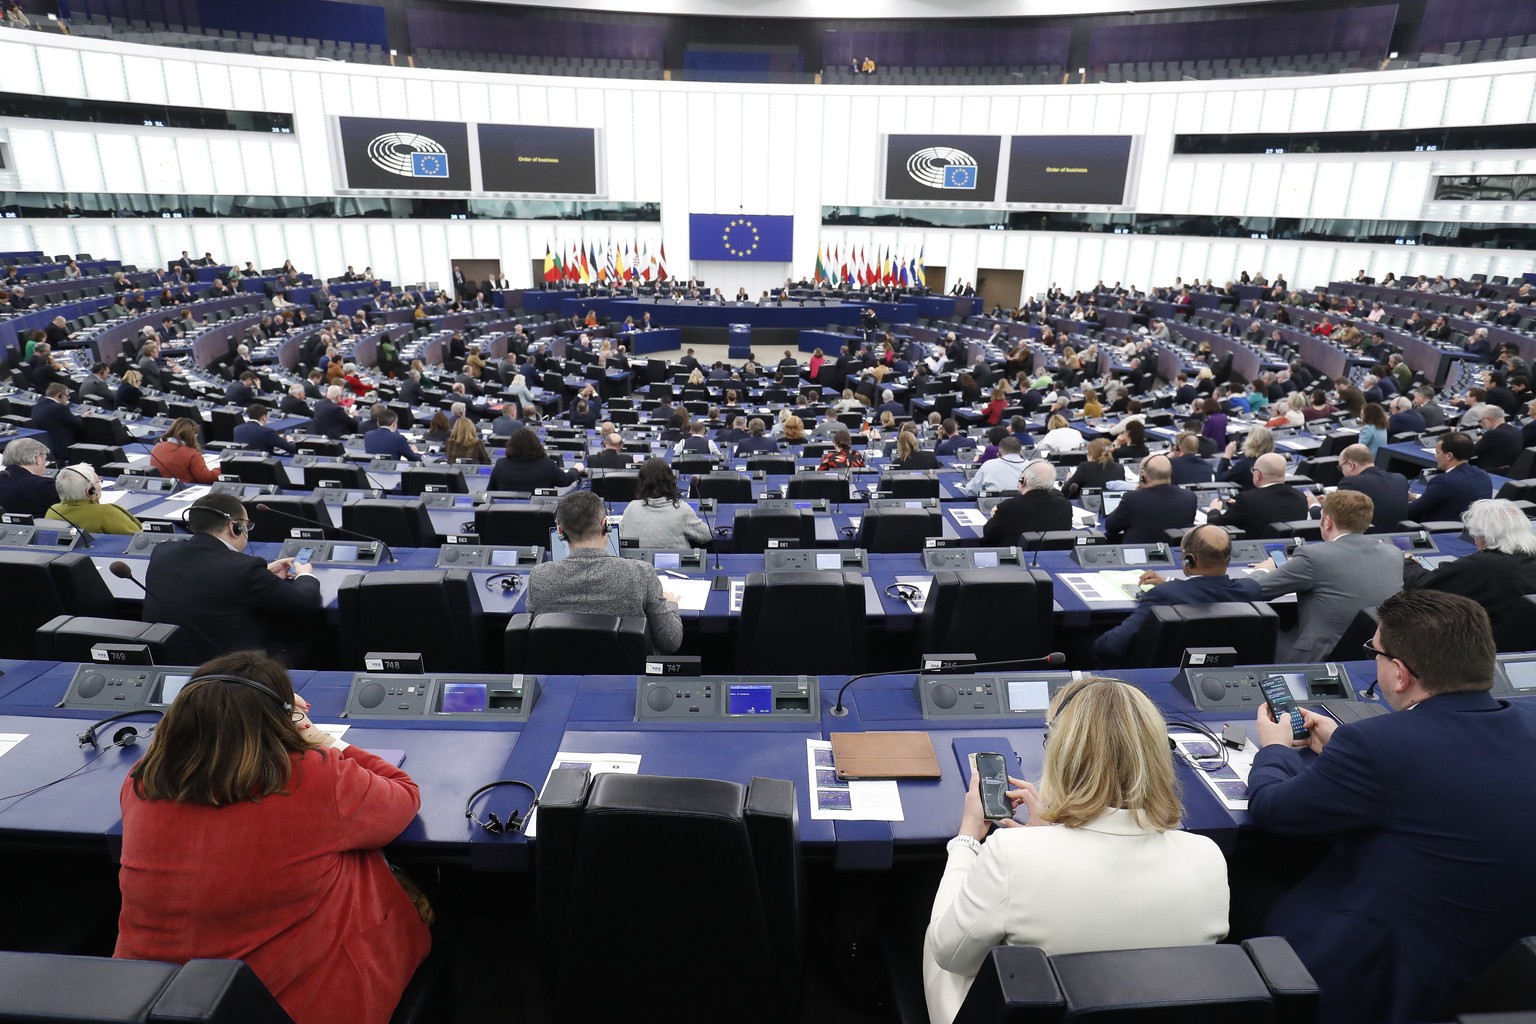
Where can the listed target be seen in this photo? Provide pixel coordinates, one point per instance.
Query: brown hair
(183, 430)
(1351, 511)
(223, 742)
(1100, 449)
(794, 428)
(525, 446)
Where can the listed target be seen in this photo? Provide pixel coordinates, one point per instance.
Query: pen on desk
(676, 575)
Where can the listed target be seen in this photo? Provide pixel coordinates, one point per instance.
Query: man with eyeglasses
(25, 486)
(1429, 882)
(223, 599)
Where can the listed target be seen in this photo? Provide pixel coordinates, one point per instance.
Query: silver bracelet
(969, 842)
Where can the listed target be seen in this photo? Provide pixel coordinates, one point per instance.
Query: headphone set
(128, 736)
(93, 487)
(237, 528)
(904, 592)
(515, 823)
(509, 581)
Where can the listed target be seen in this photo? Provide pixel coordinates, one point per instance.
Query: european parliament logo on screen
(728, 237)
(385, 153)
(942, 167)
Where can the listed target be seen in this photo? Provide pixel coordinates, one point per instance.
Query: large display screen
(1087, 169)
(538, 158)
(944, 168)
(397, 155)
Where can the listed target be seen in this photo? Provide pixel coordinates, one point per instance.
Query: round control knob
(659, 699)
(92, 684)
(450, 555)
(944, 696)
(1213, 689)
(371, 695)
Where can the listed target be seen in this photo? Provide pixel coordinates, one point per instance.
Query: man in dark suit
(1500, 444)
(53, 414)
(330, 419)
(1155, 506)
(757, 440)
(293, 403)
(1405, 419)
(1387, 491)
(1456, 486)
(1429, 881)
(1207, 550)
(1425, 405)
(221, 597)
(409, 391)
(1269, 500)
(612, 455)
(257, 436)
(385, 438)
(1037, 507)
(1188, 466)
(243, 391)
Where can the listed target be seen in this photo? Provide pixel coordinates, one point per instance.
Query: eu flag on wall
(429, 165)
(741, 237)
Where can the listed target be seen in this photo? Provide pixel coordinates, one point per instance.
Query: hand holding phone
(992, 770)
(1278, 696)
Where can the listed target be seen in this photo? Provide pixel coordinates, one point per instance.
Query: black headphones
(127, 736)
(238, 528)
(515, 823)
(904, 592)
(253, 684)
(93, 487)
(510, 581)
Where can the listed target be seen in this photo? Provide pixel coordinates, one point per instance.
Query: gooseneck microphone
(1051, 660)
(122, 571)
(326, 526)
(1034, 556)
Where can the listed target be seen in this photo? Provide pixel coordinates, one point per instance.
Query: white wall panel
(704, 172)
(356, 95)
(37, 161)
(1232, 190)
(1466, 100)
(445, 101)
(1294, 197)
(181, 84)
(644, 150)
(103, 74)
(1330, 189)
(60, 69)
(1384, 106)
(81, 161)
(1408, 189)
(1080, 112)
(121, 154)
(1275, 110)
(893, 113)
(213, 86)
(1189, 113)
(245, 83)
(1107, 114)
(975, 115)
(1218, 113)
(475, 103)
(1368, 190)
(862, 187)
(1426, 103)
(20, 62)
(1346, 108)
(1032, 114)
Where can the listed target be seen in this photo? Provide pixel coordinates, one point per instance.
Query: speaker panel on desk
(729, 698)
(474, 697)
(994, 695)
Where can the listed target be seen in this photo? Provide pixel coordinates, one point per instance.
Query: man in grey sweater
(591, 581)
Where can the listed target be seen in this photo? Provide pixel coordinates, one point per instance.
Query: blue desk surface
(592, 714)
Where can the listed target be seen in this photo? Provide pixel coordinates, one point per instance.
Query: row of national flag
(612, 262)
(855, 265)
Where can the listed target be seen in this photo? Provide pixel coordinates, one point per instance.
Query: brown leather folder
(884, 755)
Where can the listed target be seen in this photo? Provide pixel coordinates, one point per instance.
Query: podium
(740, 340)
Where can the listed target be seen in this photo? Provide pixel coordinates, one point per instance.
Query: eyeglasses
(1376, 652)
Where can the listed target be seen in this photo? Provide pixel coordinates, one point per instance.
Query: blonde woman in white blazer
(1106, 868)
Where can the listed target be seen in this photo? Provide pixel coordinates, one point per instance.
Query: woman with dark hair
(1318, 408)
(1373, 427)
(970, 391)
(994, 435)
(1097, 470)
(439, 429)
(527, 466)
(658, 518)
(238, 784)
(179, 455)
(1132, 443)
(842, 455)
(464, 444)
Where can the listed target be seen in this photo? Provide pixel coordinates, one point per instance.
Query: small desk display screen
(986, 559)
(749, 699)
(343, 552)
(668, 560)
(463, 698)
(171, 687)
(832, 561)
(1522, 674)
(503, 557)
(1405, 543)
(1296, 682)
(1135, 556)
(464, 501)
(1028, 695)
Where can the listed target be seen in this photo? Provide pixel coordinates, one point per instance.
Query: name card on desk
(382, 661)
(672, 665)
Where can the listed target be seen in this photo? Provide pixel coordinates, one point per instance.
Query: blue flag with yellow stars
(741, 237)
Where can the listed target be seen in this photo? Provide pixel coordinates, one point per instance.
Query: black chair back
(71, 637)
(446, 479)
(608, 644)
(781, 610)
(776, 464)
(615, 485)
(54, 584)
(831, 486)
(281, 520)
(726, 486)
(1172, 629)
(1351, 645)
(255, 469)
(909, 483)
(517, 525)
(98, 990)
(432, 612)
(335, 474)
(746, 896)
(900, 529)
(400, 524)
(995, 614)
(754, 528)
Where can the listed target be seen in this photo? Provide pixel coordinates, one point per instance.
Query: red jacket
(182, 462)
(293, 884)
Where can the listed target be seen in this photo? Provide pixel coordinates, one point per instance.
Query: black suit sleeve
(286, 597)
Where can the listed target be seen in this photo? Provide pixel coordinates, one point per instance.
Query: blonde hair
(1056, 422)
(1100, 450)
(906, 443)
(1260, 441)
(1108, 749)
(794, 428)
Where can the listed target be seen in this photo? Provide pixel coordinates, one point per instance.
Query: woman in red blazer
(179, 456)
(249, 834)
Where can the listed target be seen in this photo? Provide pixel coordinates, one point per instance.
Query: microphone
(122, 571)
(324, 526)
(1051, 660)
(86, 537)
(713, 542)
(1034, 558)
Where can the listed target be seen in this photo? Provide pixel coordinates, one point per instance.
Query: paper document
(692, 595)
(594, 764)
(971, 517)
(738, 591)
(1229, 782)
(336, 731)
(9, 740)
(113, 497)
(831, 797)
(1114, 585)
(189, 493)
